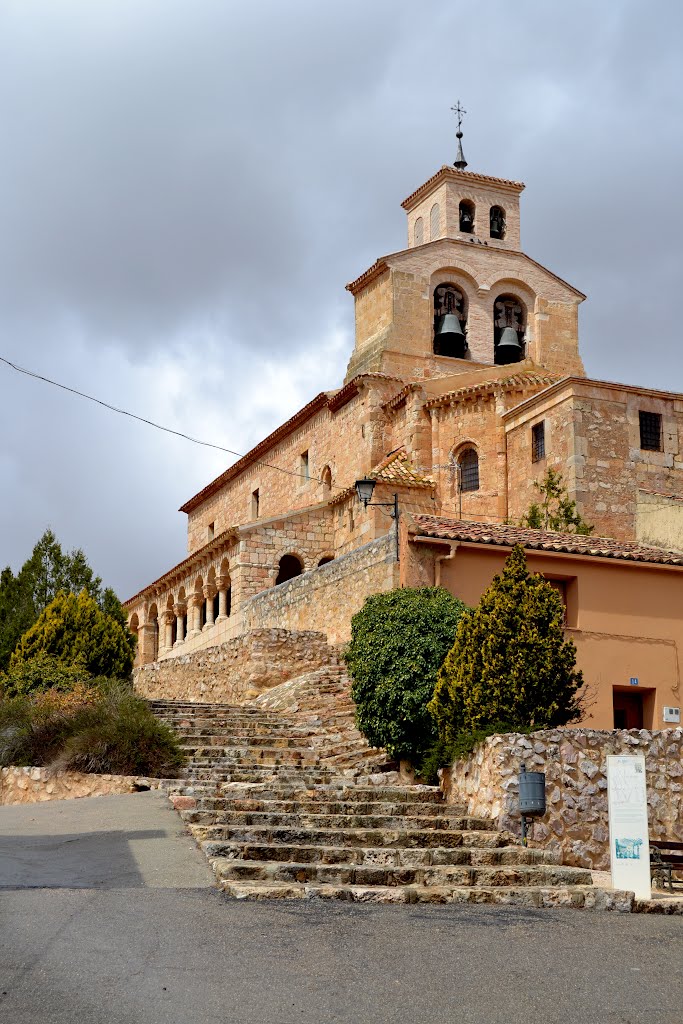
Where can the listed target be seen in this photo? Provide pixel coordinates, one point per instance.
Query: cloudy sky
(185, 189)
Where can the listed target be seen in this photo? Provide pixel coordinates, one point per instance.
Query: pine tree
(510, 661)
(555, 511)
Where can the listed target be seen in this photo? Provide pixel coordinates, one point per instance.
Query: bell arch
(466, 213)
(497, 223)
(509, 329)
(289, 566)
(450, 321)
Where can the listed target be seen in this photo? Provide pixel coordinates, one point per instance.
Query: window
(210, 531)
(538, 441)
(255, 504)
(326, 478)
(508, 330)
(466, 216)
(290, 566)
(650, 431)
(497, 222)
(450, 322)
(469, 470)
(304, 466)
(434, 222)
(419, 231)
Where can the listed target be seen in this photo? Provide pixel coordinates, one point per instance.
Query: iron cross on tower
(459, 161)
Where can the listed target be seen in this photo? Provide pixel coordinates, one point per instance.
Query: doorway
(628, 709)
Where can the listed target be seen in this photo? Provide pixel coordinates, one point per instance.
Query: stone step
(336, 821)
(205, 756)
(397, 838)
(588, 897)
(283, 741)
(383, 875)
(405, 857)
(375, 808)
(339, 789)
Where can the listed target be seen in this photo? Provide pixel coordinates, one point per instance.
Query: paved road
(129, 945)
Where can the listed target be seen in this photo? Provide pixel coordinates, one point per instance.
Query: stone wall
(574, 762)
(35, 785)
(237, 670)
(326, 598)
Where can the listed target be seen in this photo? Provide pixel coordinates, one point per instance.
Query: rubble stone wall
(328, 597)
(35, 785)
(238, 669)
(575, 766)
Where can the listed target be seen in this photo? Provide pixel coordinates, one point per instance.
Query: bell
(449, 339)
(508, 349)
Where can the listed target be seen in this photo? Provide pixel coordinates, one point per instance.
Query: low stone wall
(574, 762)
(238, 669)
(326, 598)
(35, 785)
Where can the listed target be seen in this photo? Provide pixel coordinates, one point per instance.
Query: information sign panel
(628, 831)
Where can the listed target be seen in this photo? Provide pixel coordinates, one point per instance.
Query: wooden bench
(666, 856)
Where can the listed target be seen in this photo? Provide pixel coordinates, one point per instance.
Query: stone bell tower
(463, 295)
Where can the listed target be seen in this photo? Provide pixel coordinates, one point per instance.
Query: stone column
(222, 582)
(209, 594)
(180, 610)
(168, 630)
(195, 602)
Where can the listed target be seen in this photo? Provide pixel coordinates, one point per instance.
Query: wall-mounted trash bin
(531, 793)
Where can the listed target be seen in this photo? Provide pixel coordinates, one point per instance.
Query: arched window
(434, 222)
(290, 566)
(467, 216)
(497, 222)
(468, 463)
(325, 559)
(419, 231)
(508, 330)
(450, 321)
(326, 478)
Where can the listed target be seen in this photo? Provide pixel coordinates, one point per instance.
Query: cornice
(447, 173)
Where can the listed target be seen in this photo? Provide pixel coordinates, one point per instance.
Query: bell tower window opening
(508, 330)
(434, 222)
(497, 222)
(419, 231)
(468, 470)
(650, 431)
(450, 322)
(466, 217)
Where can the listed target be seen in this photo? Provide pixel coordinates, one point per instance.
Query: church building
(464, 387)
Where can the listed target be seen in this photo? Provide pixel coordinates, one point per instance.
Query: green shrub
(75, 631)
(40, 673)
(398, 642)
(510, 661)
(104, 728)
(442, 753)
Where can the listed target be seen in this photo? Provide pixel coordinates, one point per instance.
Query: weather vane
(459, 161)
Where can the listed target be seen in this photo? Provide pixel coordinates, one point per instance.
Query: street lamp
(364, 490)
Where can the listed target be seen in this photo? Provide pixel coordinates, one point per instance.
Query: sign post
(628, 828)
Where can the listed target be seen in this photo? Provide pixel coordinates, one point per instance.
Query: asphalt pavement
(108, 916)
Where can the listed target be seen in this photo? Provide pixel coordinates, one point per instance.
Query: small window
(255, 502)
(210, 531)
(304, 467)
(419, 231)
(538, 442)
(469, 470)
(434, 222)
(650, 431)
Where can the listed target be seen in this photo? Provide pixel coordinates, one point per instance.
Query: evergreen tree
(555, 511)
(47, 571)
(510, 661)
(76, 632)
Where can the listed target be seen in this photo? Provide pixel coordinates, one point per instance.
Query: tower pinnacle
(459, 161)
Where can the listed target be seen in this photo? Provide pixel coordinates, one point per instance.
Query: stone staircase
(286, 803)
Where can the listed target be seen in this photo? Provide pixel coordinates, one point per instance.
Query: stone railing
(574, 762)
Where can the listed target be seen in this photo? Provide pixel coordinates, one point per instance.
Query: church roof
(501, 535)
(525, 379)
(395, 468)
(468, 177)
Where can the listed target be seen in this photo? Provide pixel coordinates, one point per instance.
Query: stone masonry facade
(465, 435)
(574, 762)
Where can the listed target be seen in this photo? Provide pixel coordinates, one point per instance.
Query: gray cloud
(186, 188)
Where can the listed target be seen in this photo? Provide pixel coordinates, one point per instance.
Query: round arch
(289, 567)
